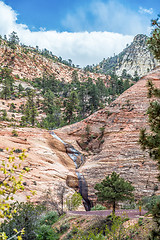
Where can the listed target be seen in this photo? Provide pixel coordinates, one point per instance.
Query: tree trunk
(114, 207)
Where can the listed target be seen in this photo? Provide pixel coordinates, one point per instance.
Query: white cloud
(144, 10)
(107, 16)
(82, 47)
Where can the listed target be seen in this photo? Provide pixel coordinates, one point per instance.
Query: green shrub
(98, 207)
(64, 227)
(74, 201)
(140, 221)
(25, 216)
(150, 202)
(45, 232)
(49, 219)
(17, 150)
(129, 205)
(14, 133)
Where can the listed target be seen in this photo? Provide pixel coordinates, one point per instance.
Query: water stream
(78, 159)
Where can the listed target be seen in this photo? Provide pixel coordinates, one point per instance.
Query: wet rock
(72, 182)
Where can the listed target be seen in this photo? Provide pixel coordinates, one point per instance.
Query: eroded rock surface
(116, 129)
(111, 144)
(26, 63)
(47, 160)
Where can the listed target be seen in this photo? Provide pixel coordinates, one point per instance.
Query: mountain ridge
(28, 63)
(135, 59)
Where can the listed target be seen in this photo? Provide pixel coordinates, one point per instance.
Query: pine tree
(71, 106)
(30, 112)
(13, 40)
(151, 141)
(7, 80)
(154, 40)
(114, 189)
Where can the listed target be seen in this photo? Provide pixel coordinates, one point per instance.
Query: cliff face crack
(78, 159)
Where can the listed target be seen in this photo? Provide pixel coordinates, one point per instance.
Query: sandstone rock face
(118, 148)
(28, 64)
(110, 136)
(47, 160)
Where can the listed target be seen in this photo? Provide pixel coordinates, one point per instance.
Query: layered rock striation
(111, 140)
(108, 139)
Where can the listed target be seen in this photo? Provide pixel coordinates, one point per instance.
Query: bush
(150, 202)
(46, 233)
(14, 133)
(49, 219)
(98, 207)
(64, 228)
(25, 216)
(17, 150)
(129, 205)
(74, 201)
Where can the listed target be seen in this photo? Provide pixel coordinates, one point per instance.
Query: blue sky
(84, 30)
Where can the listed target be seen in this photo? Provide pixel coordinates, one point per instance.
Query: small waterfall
(83, 190)
(78, 159)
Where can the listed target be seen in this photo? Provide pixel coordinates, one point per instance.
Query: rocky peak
(139, 38)
(134, 59)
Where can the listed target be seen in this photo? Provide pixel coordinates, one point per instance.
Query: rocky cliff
(110, 136)
(108, 139)
(135, 58)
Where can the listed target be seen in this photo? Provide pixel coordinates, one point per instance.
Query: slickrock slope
(108, 138)
(47, 160)
(28, 64)
(111, 135)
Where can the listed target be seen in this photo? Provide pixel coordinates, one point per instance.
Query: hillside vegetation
(36, 94)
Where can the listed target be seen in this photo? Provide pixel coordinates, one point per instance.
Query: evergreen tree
(114, 189)
(154, 40)
(101, 89)
(151, 141)
(93, 95)
(82, 100)
(7, 80)
(13, 40)
(30, 111)
(71, 106)
(51, 106)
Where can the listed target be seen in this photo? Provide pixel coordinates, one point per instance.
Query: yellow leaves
(3, 236)
(19, 238)
(4, 171)
(3, 163)
(22, 231)
(33, 192)
(20, 157)
(11, 182)
(28, 197)
(27, 169)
